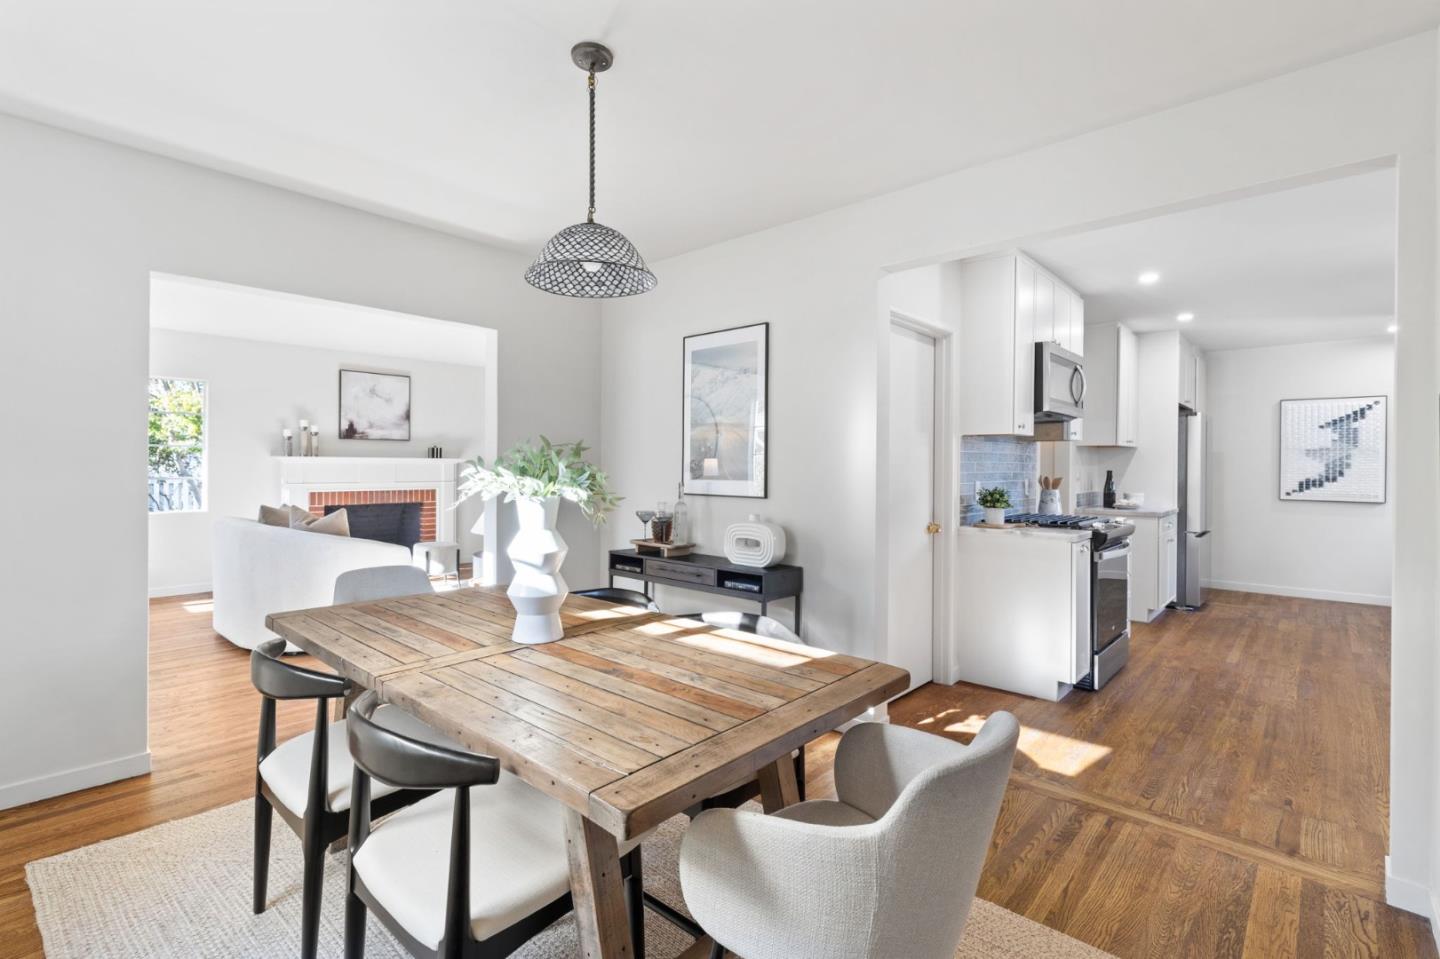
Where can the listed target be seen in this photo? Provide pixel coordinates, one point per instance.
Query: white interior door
(912, 503)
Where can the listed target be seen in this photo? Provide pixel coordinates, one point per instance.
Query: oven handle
(1114, 552)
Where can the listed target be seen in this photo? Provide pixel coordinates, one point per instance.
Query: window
(177, 445)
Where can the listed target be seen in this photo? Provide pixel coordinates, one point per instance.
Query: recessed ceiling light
(1148, 278)
(1391, 328)
(1184, 317)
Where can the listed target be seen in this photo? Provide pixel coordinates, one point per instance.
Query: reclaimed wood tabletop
(632, 717)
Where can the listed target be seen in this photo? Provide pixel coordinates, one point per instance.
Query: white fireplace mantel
(302, 475)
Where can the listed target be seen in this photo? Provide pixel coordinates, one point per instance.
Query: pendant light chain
(590, 218)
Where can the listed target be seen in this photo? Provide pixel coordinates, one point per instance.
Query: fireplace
(397, 523)
(389, 515)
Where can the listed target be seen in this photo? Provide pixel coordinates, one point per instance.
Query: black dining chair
(307, 778)
(472, 872)
(771, 628)
(625, 597)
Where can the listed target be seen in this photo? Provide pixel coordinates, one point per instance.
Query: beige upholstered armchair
(888, 870)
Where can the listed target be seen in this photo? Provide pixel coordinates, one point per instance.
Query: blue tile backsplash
(987, 461)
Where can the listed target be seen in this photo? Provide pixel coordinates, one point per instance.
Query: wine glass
(645, 516)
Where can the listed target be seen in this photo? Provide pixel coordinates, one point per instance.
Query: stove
(1104, 530)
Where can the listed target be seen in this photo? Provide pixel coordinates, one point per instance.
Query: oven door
(1110, 595)
(1059, 384)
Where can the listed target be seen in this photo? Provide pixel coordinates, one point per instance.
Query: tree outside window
(177, 445)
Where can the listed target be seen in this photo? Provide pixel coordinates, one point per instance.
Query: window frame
(204, 474)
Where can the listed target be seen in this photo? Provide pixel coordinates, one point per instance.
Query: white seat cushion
(287, 770)
(518, 861)
(826, 812)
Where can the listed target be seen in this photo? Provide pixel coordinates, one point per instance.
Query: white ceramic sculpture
(538, 589)
(754, 543)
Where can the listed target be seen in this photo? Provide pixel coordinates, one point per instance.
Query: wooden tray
(662, 549)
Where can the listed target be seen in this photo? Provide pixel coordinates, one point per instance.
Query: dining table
(633, 716)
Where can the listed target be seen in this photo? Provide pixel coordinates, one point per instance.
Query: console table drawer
(680, 572)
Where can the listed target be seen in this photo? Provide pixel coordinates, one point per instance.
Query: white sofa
(260, 569)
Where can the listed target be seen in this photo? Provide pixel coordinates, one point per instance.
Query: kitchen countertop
(1153, 512)
(1056, 535)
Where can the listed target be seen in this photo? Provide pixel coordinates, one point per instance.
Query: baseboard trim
(72, 780)
(1366, 599)
(1413, 897)
(158, 592)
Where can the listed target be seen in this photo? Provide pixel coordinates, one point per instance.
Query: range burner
(1063, 521)
(1104, 531)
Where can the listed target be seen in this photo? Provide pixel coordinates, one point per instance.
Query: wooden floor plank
(1101, 781)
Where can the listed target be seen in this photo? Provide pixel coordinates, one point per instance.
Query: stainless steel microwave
(1059, 384)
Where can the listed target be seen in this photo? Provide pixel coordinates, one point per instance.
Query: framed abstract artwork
(1333, 449)
(374, 406)
(726, 385)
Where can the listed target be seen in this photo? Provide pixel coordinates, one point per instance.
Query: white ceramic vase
(994, 516)
(538, 589)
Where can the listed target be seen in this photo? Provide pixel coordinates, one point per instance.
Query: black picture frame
(701, 485)
(348, 433)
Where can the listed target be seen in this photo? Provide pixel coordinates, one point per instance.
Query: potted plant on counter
(536, 478)
(995, 501)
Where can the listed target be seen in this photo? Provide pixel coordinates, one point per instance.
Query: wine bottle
(1109, 496)
(681, 525)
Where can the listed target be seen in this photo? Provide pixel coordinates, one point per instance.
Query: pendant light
(590, 259)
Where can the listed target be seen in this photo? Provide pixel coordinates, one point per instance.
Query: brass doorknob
(932, 528)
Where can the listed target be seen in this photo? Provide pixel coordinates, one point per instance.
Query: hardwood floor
(1225, 795)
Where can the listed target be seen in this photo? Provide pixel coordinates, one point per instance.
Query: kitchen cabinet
(1069, 319)
(1153, 564)
(1024, 603)
(996, 382)
(1112, 396)
(1008, 303)
(1188, 377)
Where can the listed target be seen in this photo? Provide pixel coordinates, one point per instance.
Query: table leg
(597, 889)
(778, 788)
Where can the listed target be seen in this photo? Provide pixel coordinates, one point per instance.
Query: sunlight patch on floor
(1052, 752)
(197, 607)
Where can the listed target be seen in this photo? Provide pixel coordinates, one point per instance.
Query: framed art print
(374, 406)
(726, 384)
(1333, 449)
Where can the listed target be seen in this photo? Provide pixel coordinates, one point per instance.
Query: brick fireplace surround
(425, 497)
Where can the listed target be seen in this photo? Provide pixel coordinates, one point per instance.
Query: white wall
(254, 390)
(85, 223)
(1340, 551)
(815, 282)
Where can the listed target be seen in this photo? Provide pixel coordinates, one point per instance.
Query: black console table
(711, 574)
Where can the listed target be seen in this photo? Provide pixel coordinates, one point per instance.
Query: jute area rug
(181, 890)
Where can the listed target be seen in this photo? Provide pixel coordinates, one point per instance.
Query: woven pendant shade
(590, 260)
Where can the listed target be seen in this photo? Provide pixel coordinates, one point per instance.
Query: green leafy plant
(994, 498)
(530, 471)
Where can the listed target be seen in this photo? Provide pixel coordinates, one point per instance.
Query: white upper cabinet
(1008, 304)
(1077, 322)
(1112, 392)
(1189, 377)
(996, 383)
(1046, 329)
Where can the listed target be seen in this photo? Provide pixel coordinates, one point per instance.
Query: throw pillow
(280, 515)
(335, 524)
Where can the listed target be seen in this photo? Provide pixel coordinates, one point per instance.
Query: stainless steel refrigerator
(1191, 498)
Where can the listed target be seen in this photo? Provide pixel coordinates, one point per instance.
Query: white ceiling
(719, 118)
(1307, 264)
(194, 305)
